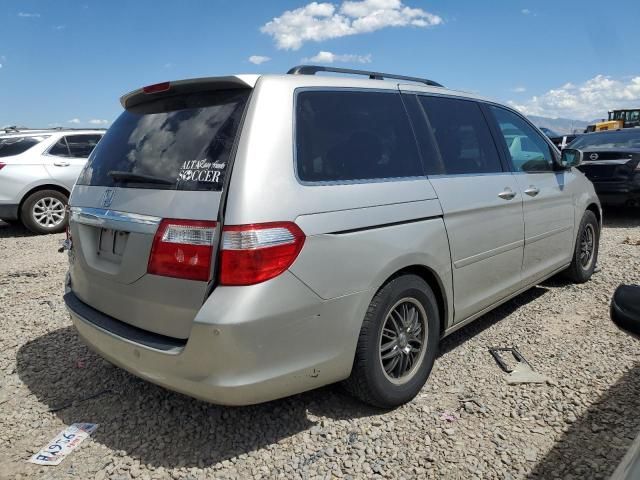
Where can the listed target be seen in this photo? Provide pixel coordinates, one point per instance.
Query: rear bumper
(240, 350)
(9, 211)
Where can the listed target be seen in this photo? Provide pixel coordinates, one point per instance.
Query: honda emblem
(107, 197)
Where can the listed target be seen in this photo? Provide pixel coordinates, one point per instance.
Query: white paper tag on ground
(63, 444)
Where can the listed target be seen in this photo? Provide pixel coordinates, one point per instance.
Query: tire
(581, 269)
(45, 212)
(369, 381)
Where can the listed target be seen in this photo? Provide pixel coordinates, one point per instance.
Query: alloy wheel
(48, 212)
(587, 246)
(403, 340)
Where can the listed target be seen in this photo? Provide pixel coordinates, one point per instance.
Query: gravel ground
(577, 426)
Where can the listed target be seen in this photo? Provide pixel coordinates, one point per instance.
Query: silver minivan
(245, 238)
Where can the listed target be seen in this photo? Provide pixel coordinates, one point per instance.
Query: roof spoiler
(146, 94)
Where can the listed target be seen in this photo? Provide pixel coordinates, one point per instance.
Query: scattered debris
(522, 372)
(448, 417)
(63, 444)
(631, 241)
(495, 351)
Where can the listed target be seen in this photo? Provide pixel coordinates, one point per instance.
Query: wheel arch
(592, 207)
(37, 188)
(433, 280)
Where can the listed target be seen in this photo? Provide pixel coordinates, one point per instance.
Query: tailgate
(161, 163)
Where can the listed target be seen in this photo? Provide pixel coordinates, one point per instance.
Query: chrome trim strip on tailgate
(100, 217)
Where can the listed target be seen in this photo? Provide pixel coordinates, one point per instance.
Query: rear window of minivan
(179, 143)
(11, 146)
(353, 135)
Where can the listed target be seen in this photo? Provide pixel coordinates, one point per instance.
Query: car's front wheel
(397, 345)
(585, 254)
(45, 211)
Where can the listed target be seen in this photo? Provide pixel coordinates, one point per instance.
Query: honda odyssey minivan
(245, 238)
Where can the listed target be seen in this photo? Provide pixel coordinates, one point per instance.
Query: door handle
(508, 194)
(532, 191)
(61, 163)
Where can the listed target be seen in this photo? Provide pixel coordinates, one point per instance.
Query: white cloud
(98, 122)
(74, 120)
(28, 15)
(329, 57)
(258, 59)
(322, 21)
(168, 65)
(0, 65)
(525, 11)
(589, 100)
(59, 27)
(519, 89)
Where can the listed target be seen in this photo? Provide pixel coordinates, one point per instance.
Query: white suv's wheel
(44, 211)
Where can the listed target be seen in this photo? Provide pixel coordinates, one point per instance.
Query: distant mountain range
(561, 125)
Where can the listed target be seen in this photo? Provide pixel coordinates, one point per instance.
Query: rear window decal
(201, 171)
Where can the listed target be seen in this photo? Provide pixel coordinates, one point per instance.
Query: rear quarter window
(11, 146)
(81, 146)
(353, 135)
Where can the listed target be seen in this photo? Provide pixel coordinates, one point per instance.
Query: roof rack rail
(313, 69)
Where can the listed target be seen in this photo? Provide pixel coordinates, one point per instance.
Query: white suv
(38, 169)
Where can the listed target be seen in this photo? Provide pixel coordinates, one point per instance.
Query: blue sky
(67, 63)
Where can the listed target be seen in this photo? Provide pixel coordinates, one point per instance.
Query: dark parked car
(559, 140)
(611, 160)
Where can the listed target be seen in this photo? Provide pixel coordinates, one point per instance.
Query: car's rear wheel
(585, 254)
(397, 345)
(45, 211)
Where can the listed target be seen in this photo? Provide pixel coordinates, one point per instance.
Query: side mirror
(570, 157)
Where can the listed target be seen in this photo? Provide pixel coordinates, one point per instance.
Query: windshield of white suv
(10, 146)
(177, 143)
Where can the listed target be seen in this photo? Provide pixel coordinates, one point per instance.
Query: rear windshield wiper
(129, 177)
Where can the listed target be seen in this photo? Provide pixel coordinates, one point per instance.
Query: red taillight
(182, 249)
(157, 87)
(2, 165)
(254, 253)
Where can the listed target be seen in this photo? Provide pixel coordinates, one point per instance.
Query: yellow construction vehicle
(623, 118)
